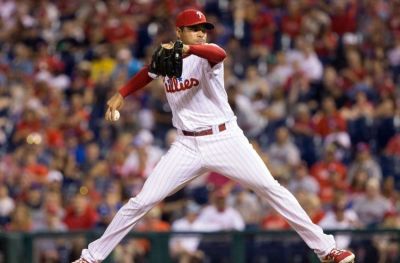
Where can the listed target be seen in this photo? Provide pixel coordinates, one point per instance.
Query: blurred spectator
(109, 207)
(219, 215)
(55, 180)
(280, 71)
(7, 206)
(393, 57)
(371, 207)
(312, 205)
(49, 248)
(273, 221)
(51, 213)
(389, 160)
(303, 132)
(276, 110)
(98, 181)
(103, 64)
(316, 24)
(364, 161)
(358, 182)
(291, 21)
(329, 120)
(332, 86)
(127, 65)
(22, 65)
(359, 118)
(216, 181)
(151, 222)
(343, 15)
(283, 153)
(384, 122)
(302, 180)
(144, 156)
(185, 247)
(248, 116)
(299, 87)
(118, 29)
(80, 215)
(393, 146)
(254, 84)
(310, 63)
(91, 156)
(355, 72)
(29, 123)
(390, 192)
(21, 219)
(263, 25)
(249, 207)
(340, 216)
(330, 174)
(387, 245)
(34, 201)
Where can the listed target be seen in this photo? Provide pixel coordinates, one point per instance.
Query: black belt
(221, 127)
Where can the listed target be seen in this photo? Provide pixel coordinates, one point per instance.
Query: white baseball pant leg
(231, 154)
(180, 165)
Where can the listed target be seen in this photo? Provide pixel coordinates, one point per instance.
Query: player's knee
(270, 187)
(134, 206)
(141, 203)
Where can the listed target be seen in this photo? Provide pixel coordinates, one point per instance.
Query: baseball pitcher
(208, 139)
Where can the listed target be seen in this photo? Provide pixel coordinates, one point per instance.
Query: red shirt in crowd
(330, 176)
(263, 29)
(274, 221)
(329, 124)
(291, 25)
(345, 20)
(86, 220)
(393, 146)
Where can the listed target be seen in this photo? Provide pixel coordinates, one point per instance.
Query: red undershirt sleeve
(138, 81)
(213, 53)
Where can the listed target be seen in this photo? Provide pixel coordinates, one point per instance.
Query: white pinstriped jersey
(198, 99)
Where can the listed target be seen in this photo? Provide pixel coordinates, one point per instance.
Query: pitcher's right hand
(114, 103)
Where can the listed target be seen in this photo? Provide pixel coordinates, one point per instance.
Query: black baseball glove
(167, 62)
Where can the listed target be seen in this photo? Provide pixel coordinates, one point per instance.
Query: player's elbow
(221, 55)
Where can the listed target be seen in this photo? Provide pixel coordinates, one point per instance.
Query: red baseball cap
(191, 17)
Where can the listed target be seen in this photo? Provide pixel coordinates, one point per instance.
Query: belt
(221, 127)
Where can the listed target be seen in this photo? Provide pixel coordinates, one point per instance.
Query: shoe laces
(335, 252)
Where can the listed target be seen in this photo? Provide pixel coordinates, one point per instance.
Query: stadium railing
(264, 245)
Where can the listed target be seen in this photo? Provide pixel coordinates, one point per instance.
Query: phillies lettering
(173, 85)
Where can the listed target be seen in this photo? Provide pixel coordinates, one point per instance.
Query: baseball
(116, 115)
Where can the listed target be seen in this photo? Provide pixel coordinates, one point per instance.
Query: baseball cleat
(81, 260)
(339, 256)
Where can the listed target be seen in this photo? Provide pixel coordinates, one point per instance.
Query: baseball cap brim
(207, 25)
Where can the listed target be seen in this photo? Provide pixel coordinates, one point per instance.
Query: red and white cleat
(81, 260)
(339, 256)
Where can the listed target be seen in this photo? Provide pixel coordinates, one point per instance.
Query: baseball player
(208, 139)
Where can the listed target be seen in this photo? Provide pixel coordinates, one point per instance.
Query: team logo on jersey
(175, 85)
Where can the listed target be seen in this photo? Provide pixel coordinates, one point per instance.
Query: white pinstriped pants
(227, 152)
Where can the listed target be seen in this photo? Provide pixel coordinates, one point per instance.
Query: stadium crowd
(314, 84)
